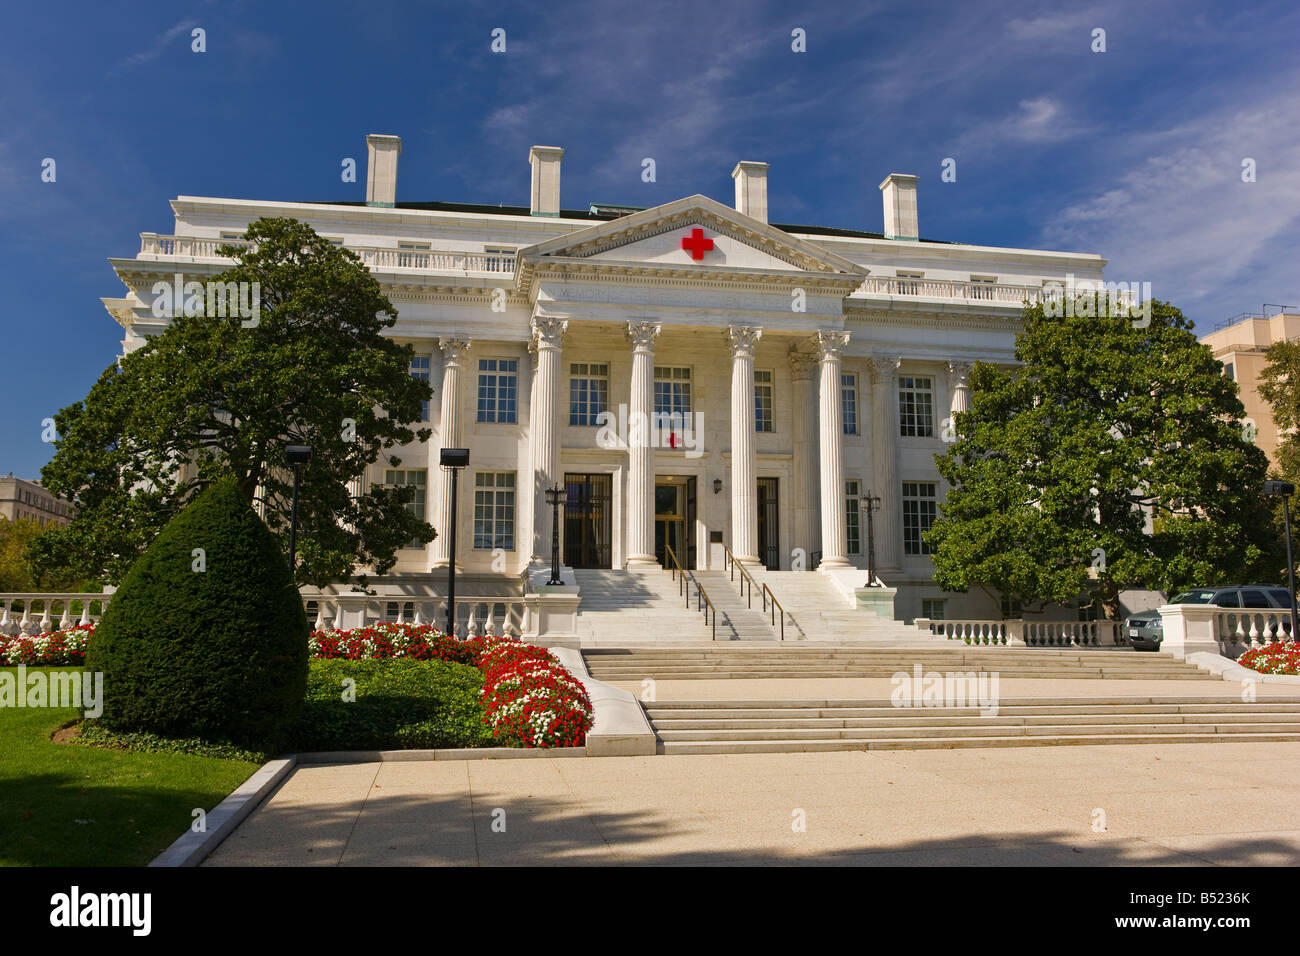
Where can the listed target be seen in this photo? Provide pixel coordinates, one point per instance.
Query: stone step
(915, 717)
(943, 743)
(990, 729)
(797, 716)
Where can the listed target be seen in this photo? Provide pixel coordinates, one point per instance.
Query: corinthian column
(959, 389)
(830, 346)
(640, 470)
(744, 484)
(805, 532)
(449, 436)
(548, 333)
(884, 462)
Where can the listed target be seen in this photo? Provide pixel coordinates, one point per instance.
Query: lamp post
(453, 460)
(555, 498)
(870, 504)
(297, 456)
(1284, 490)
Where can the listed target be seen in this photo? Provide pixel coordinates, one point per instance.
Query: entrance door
(769, 543)
(587, 520)
(670, 522)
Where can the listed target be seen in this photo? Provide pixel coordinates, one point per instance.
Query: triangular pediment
(719, 240)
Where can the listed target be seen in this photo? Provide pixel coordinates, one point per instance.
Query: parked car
(1145, 631)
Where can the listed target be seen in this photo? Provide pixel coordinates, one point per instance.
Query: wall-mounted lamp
(717, 486)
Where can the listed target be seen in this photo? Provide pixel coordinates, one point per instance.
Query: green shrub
(401, 704)
(218, 653)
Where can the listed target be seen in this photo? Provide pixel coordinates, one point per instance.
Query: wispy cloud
(160, 46)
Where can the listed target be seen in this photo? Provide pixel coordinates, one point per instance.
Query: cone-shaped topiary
(207, 635)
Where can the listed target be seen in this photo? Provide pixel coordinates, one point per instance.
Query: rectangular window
(499, 259)
(981, 287)
(494, 510)
(849, 399)
(915, 407)
(498, 390)
(909, 283)
(588, 392)
(932, 609)
(420, 369)
(762, 400)
(413, 254)
(1229, 371)
(853, 516)
(416, 478)
(672, 391)
(1012, 609)
(919, 511)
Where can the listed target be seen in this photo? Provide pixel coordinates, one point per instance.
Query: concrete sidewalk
(1175, 804)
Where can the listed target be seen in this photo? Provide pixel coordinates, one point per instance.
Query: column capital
(802, 365)
(831, 344)
(454, 349)
(642, 335)
(959, 373)
(741, 339)
(548, 331)
(884, 367)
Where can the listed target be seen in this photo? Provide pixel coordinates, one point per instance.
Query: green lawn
(70, 805)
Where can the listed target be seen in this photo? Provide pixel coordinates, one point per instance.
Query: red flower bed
(1282, 657)
(55, 649)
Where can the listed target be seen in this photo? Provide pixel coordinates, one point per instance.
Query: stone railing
(1021, 633)
(153, 245)
(23, 615)
(973, 291)
(475, 616)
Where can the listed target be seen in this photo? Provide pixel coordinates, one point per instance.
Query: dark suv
(1145, 631)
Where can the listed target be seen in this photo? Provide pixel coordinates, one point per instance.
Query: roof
(603, 212)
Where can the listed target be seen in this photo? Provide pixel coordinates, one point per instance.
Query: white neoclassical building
(694, 376)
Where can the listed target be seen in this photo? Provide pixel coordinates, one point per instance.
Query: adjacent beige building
(1240, 346)
(20, 498)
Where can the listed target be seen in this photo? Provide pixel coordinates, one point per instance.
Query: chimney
(751, 189)
(381, 173)
(899, 194)
(545, 161)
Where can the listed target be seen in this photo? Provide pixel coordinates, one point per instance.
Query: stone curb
(620, 727)
(1230, 670)
(190, 848)
(472, 753)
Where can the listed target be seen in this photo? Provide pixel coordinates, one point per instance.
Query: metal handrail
(729, 562)
(711, 615)
(768, 595)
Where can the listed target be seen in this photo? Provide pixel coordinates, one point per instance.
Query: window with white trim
(672, 390)
(932, 609)
(416, 478)
(849, 402)
(853, 516)
(498, 390)
(762, 400)
(588, 392)
(419, 369)
(920, 508)
(494, 510)
(915, 406)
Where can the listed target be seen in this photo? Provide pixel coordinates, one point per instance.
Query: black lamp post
(297, 456)
(555, 498)
(453, 460)
(870, 504)
(1284, 489)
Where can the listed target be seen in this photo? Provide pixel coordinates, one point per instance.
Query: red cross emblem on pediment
(696, 244)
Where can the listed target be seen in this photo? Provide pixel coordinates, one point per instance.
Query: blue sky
(1134, 153)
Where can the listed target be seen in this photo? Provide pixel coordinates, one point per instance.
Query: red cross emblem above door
(696, 244)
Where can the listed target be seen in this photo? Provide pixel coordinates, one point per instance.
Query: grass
(66, 805)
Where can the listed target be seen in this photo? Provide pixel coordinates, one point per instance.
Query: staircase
(621, 608)
(791, 726)
(737, 621)
(784, 660)
(821, 612)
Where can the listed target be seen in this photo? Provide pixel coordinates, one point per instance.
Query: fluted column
(959, 388)
(548, 333)
(830, 346)
(449, 436)
(805, 533)
(884, 462)
(641, 469)
(744, 482)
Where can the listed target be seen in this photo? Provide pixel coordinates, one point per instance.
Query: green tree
(206, 636)
(1061, 459)
(16, 573)
(215, 395)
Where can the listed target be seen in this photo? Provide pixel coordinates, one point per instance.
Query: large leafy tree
(213, 396)
(1279, 385)
(1114, 456)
